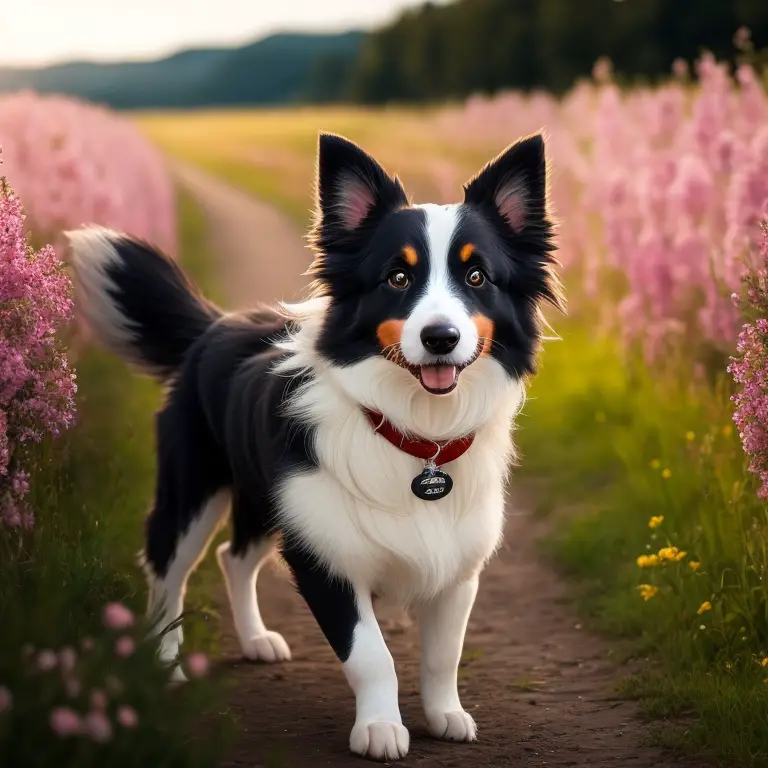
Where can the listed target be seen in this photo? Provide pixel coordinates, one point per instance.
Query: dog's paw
(269, 647)
(452, 726)
(177, 676)
(380, 740)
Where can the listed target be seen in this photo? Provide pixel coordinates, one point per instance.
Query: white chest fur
(357, 512)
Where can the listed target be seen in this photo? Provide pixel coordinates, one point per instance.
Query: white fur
(357, 514)
(240, 574)
(166, 597)
(443, 622)
(92, 253)
(378, 732)
(440, 302)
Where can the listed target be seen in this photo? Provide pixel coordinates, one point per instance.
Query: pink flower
(197, 664)
(46, 660)
(6, 699)
(125, 646)
(36, 385)
(98, 700)
(127, 717)
(72, 686)
(67, 659)
(87, 644)
(117, 616)
(98, 726)
(65, 722)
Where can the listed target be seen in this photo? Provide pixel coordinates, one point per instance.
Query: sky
(34, 32)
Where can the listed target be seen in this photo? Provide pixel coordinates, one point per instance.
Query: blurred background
(643, 443)
(173, 54)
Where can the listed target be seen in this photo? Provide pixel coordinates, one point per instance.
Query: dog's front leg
(443, 622)
(346, 617)
(370, 671)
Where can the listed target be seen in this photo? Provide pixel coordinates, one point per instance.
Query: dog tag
(432, 484)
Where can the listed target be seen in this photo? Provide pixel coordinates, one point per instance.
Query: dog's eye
(475, 278)
(398, 279)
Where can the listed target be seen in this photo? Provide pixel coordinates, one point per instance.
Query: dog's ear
(514, 184)
(353, 193)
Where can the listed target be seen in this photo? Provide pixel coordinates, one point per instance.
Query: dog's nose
(440, 339)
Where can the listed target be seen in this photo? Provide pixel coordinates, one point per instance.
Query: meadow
(78, 683)
(628, 438)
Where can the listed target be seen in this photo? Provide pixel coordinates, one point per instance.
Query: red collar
(421, 449)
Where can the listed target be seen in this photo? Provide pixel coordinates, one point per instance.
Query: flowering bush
(75, 163)
(101, 700)
(750, 371)
(663, 186)
(36, 385)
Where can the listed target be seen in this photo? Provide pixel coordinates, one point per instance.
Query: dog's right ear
(353, 193)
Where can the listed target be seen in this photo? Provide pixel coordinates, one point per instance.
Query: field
(608, 442)
(626, 618)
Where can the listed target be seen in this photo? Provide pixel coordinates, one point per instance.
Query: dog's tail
(137, 301)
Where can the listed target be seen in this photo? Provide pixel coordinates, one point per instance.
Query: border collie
(364, 433)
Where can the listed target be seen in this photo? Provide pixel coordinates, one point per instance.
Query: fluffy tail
(137, 301)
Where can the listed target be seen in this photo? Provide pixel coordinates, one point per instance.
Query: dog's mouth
(436, 378)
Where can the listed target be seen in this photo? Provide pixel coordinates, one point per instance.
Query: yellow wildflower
(671, 553)
(704, 607)
(647, 591)
(656, 521)
(694, 565)
(690, 436)
(646, 561)
(666, 473)
(727, 430)
(764, 662)
(655, 464)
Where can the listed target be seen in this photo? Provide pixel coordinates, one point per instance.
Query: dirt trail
(539, 686)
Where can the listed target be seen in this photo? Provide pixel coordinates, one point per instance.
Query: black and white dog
(368, 428)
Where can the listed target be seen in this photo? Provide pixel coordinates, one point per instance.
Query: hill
(278, 69)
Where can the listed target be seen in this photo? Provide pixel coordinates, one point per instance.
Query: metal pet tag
(432, 484)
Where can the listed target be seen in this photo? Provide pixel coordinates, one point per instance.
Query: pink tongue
(438, 376)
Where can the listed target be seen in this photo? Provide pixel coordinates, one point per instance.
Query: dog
(365, 432)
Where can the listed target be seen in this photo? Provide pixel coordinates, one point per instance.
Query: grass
(608, 442)
(618, 444)
(90, 495)
(271, 153)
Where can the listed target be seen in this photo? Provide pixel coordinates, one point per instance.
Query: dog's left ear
(353, 193)
(514, 184)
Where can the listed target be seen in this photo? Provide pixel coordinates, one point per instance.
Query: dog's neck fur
(485, 393)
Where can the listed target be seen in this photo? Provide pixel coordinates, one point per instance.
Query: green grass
(612, 443)
(607, 443)
(90, 495)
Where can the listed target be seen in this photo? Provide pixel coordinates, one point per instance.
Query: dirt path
(539, 686)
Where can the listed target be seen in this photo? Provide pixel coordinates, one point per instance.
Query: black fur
(224, 426)
(353, 264)
(166, 311)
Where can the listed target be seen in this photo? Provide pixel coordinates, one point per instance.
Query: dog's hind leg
(240, 561)
(173, 552)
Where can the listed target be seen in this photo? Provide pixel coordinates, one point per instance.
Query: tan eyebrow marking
(466, 252)
(410, 255)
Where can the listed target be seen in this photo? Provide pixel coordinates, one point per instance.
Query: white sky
(47, 31)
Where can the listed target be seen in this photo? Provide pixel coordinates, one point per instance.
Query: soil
(540, 687)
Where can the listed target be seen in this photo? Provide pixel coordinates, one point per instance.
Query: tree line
(434, 52)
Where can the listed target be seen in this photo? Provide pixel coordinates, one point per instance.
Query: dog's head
(432, 302)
